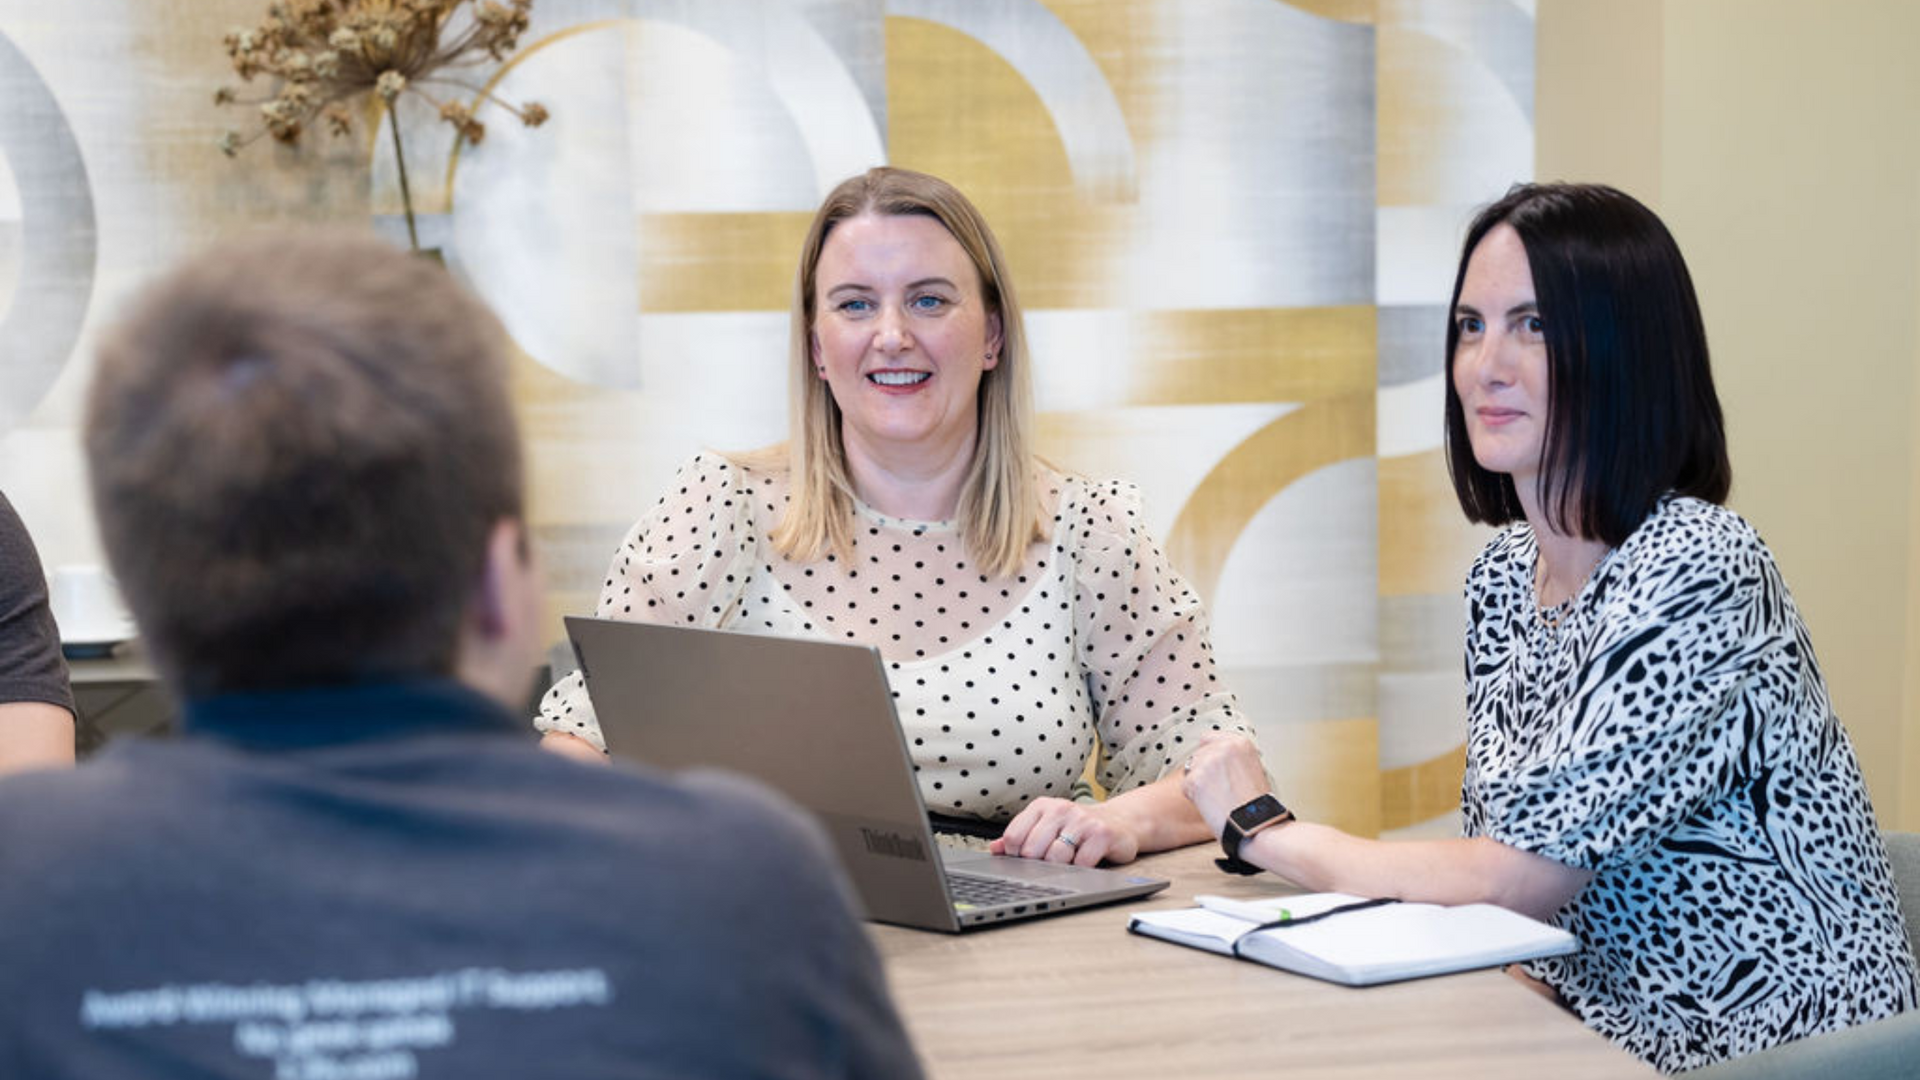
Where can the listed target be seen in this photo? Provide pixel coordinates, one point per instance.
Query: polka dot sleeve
(685, 562)
(1143, 639)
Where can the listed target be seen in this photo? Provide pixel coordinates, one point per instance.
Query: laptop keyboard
(973, 890)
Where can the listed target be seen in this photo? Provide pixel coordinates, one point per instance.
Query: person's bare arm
(1226, 773)
(34, 735)
(559, 742)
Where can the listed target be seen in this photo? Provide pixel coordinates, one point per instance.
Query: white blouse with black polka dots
(1004, 686)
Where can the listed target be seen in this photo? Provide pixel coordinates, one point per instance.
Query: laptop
(815, 720)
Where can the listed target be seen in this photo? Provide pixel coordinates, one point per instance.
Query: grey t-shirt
(393, 881)
(31, 667)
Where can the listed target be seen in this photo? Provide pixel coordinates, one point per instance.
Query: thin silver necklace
(1552, 617)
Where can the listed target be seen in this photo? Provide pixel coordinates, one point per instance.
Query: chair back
(1903, 850)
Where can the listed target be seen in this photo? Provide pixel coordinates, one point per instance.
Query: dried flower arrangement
(325, 53)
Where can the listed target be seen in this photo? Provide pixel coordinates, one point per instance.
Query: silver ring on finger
(1069, 840)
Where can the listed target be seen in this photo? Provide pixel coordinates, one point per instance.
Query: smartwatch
(1245, 820)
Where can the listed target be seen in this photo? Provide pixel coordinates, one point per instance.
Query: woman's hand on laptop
(1062, 831)
(572, 746)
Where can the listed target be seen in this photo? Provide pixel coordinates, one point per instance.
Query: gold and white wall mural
(1232, 222)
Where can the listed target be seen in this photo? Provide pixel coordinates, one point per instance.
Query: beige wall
(1909, 817)
(1778, 140)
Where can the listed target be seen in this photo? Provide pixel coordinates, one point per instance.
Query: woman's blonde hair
(999, 511)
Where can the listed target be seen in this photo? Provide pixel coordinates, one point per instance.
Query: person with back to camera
(356, 861)
(1026, 618)
(1652, 761)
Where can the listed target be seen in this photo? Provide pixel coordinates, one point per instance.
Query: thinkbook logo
(893, 845)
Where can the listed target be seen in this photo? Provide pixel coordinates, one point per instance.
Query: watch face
(1257, 813)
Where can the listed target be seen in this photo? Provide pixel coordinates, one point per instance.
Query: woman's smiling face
(902, 335)
(1499, 363)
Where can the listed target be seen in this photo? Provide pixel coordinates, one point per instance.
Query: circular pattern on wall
(48, 240)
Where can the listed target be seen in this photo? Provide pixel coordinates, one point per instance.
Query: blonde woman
(1027, 620)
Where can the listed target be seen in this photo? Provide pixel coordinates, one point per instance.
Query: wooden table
(1077, 995)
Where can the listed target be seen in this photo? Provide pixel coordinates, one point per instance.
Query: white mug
(86, 603)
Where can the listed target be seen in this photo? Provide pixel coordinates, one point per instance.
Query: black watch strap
(1242, 822)
(1236, 865)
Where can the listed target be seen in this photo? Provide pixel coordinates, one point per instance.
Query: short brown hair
(298, 447)
(999, 512)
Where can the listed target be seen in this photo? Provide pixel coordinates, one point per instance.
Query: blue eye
(928, 303)
(856, 306)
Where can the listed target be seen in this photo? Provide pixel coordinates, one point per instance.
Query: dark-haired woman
(1652, 761)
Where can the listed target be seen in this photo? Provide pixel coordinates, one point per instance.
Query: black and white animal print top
(1004, 687)
(1672, 734)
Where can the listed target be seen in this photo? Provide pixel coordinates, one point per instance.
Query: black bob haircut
(1632, 411)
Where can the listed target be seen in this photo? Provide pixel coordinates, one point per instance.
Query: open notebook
(1358, 942)
(815, 721)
